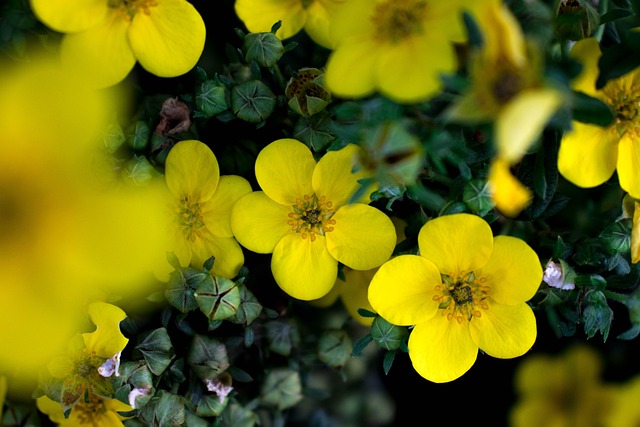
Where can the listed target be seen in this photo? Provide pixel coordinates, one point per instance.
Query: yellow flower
(65, 237)
(507, 89)
(105, 38)
(97, 412)
(398, 47)
(564, 390)
(312, 15)
(465, 291)
(624, 411)
(91, 357)
(631, 209)
(303, 216)
(201, 208)
(590, 154)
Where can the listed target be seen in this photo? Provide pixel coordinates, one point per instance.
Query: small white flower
(554, 276)
(135, 393)
(110, 366)
(219, 388)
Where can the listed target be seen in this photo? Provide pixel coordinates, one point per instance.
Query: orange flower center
(462, 296)
(312, 215)
(626, 105)
(398, 19)
(190, 218)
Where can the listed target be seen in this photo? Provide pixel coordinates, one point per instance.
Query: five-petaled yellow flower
(313, 16)
(97, 412)
(507, 89)
(465, 291)
(562, 390)
(397, 47)
(590, 154)
(105, 38)
(303, 216)
(624, 410)
(201, 208)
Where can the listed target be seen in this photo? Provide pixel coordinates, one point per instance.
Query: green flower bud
(597, 315)
(252, 101)
(217, 297)
(181, 288)
(334, 348)
(281, 389)
(477, 197)
(249, 309)
(113, 138)
(207, 357)
(157, 350)
(387, 335)
(307, 93)
(264, 48)
(138, 170)
(211, 98)
(576, 19)
(137, 135)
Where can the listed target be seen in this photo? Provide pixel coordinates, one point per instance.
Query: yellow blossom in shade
(590, 154)
(304, 217)
(65, 237)
(396, 47)
(562, 390)
(631, 209)
(624, 410)
(97, 412)
(507, 88)
(313, 16)
(467, 290)
(105, 38)
(200, 208)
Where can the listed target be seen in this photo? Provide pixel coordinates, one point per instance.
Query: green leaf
(157, 350)
(282, 337)
(587, 109)
(181, 288)
(169, 410)
(387, 335)
(207, 357)
(360, 345)
(619, 59)
(389, 357)
(281, 389)
(597, 315)
(616, 237)
(211, 406)
(334, 348)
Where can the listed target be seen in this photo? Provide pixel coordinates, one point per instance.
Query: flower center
(398, 19)
(189, 217)
(312, 215)
(90, 412)
(134, 6)
(626, 105)
(462, 296)
(507, 84)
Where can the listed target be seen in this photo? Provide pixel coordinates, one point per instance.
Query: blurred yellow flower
(304, 217)
(590, 154)
(66, 238)
(3, 393)
(624, 410)
(105, 38)
(313, 16)
(563, 390)
(631, 209)
(201, 209)
(466, 291)
(507, 88)
(96, 412)
(398, 47)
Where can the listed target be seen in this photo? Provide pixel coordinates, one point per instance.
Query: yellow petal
(456, 243)
(588, 154)
(227, 253)
(260, 15)
(169, 39)
(513, 272)
(635, 235)
(317, 24)
(284, 170)
(3, 392)
(363, 237)
(355, 293)
(403, 288)
(351, 18)
(441, 350)
(504, 331)
(102, 52)
(70, 16)
(406, 75)
(629, 164)
(350, 69)
(217, 211)
(258, 223)
(303, 268)
(522, 120)
(51, 408)
(507, 193)
(587, 52)
(333, 177)
(107, 340)
(191, 170)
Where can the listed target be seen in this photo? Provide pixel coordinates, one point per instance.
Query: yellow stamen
(190, 218)
(462, 296)
(311, 216)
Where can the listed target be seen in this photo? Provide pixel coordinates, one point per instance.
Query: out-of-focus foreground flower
(465, 291)
(66, 236)
(105, 38)
(565, 390)
(313, 16)
(589, 154)
(305, 218)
